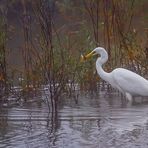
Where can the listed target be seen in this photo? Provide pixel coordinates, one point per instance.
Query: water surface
(94, 121)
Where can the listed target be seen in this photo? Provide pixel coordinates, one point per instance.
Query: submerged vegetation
(52, 35)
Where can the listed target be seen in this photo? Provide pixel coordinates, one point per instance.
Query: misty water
(98, 120)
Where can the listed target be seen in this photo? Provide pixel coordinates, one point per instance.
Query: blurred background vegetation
(41, 42)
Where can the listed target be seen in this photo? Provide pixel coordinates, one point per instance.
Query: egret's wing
(130, 82)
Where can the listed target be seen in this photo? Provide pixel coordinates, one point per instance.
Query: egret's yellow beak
(85, 57)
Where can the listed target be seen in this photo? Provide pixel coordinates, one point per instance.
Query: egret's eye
(94, 53)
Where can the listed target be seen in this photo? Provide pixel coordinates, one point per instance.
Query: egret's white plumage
(127, 82)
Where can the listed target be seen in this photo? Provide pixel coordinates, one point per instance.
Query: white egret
(127, 82)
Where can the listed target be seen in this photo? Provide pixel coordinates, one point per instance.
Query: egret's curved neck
(99, 63)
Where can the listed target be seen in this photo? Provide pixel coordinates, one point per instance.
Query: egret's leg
(129, 96)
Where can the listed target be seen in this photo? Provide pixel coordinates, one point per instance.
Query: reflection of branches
(53, 124)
